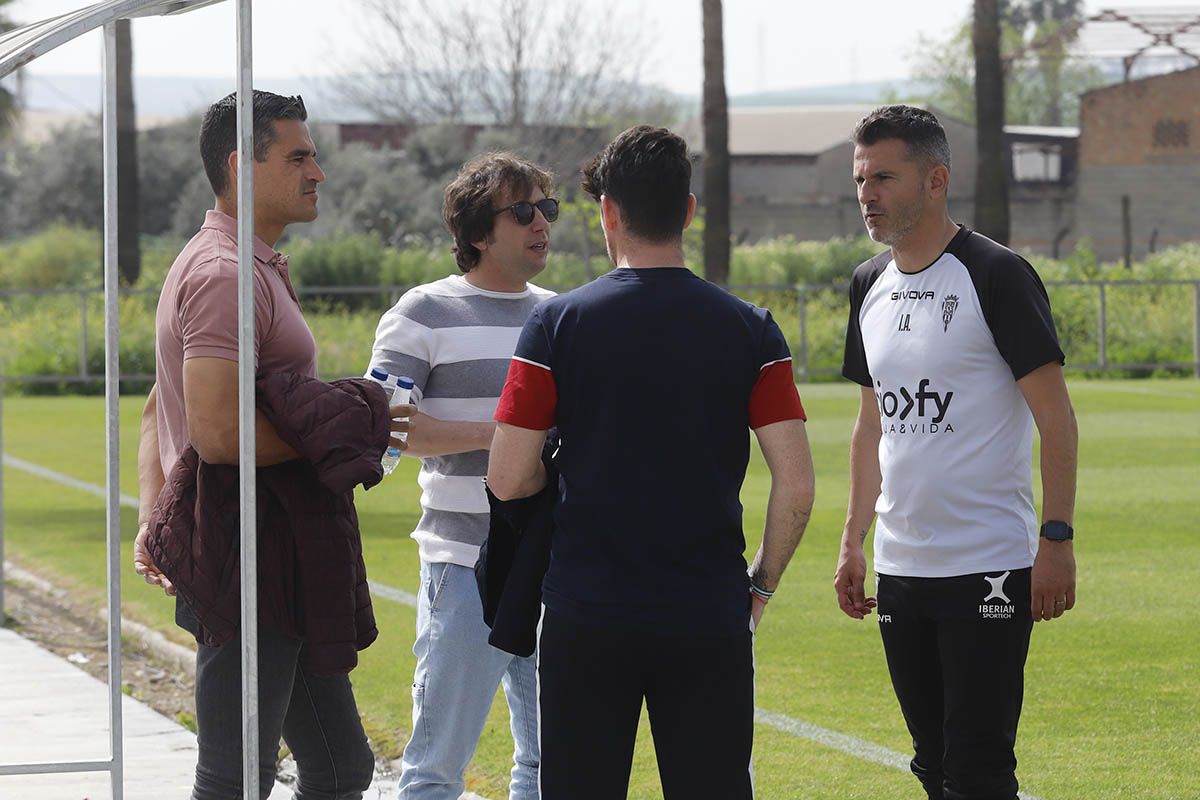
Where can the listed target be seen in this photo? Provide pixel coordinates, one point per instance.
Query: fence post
(802, 320)
(1196, 332)
(587, 245)
(1102, 328)
(83, 343)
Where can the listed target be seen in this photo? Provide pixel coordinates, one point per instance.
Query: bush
(789, 261)
(39, 334)
(60, 256)
(1145, 323)
(42, 337)
(344, 341)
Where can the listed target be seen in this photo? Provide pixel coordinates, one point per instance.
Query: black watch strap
(1057, 531)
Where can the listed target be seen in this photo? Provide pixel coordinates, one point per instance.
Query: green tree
(1043, 81)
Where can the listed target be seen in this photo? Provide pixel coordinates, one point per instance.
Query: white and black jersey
(943, 348)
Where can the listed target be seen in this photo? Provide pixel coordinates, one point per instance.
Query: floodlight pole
(246, 438)
(112, 399)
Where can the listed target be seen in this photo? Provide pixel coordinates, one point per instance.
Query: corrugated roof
(798, 130)
(811, 130)
(20, 46)
(1042, 130)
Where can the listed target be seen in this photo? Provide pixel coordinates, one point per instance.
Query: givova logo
(896, 409)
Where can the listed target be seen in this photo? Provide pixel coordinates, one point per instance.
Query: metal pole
(802, 321)
(1126, 231)
(587, 242)
(3, 615)
(1102, 328)
(112, 373)
(246, 438)
(1195, 335)
(83, 298)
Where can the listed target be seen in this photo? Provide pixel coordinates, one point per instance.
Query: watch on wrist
(1057, 531)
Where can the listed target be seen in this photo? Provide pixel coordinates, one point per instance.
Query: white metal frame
(17, 48)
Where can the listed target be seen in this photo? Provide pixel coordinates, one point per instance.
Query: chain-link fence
(52, 339)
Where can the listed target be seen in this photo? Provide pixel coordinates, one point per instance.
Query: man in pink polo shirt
(195, 401)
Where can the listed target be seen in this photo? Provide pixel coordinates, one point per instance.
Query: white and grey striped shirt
(455, 341)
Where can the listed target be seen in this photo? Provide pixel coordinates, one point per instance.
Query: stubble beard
(904, 220)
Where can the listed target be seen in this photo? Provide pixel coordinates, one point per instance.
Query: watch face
(1057, 531)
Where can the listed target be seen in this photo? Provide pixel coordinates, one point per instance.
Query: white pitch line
(392, 593)
(851, 745)
(65, 480)
(844, 743)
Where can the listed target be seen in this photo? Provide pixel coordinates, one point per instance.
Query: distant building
(1140, 140)
(791, 174)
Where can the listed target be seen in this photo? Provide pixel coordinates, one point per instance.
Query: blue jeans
(453, 688)
(316, 716)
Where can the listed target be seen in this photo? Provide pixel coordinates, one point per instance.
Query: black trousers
(316, 716)
(699, 693)
(956, 651)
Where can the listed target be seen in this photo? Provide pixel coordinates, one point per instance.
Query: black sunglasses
(523, 211)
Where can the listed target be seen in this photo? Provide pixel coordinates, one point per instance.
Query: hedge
(40, 333)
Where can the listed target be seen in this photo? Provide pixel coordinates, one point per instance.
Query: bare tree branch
(505, 62)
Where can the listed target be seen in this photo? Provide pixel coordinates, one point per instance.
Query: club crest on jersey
(949, 304)
(989, 610)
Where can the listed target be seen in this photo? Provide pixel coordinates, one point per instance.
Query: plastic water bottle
(399, 390)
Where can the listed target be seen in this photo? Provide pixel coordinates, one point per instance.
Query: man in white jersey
(455, 338)
(951, 338)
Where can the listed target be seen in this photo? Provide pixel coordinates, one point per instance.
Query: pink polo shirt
(197, 317)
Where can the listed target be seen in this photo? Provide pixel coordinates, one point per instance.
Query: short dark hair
(647, 173)
(469, 210)
(218, 131)
(916, 127)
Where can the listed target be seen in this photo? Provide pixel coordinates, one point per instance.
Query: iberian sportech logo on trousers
(990, 610)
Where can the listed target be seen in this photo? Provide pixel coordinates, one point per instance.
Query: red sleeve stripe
(774, 397)
(787, 360)
(529, 398)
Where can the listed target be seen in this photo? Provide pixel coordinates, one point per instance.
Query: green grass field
(1112, 689)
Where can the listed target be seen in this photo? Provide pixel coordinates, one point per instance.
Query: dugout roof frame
(19, 47)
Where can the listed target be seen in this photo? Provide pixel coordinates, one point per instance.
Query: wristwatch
(1057, 531)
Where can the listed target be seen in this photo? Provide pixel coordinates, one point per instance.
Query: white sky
(769, 44)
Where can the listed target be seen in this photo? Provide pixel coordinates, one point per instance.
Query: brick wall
(1163, 198)
(1149, 121)
(1141, 139)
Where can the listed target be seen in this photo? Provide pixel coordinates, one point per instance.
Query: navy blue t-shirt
(654, 378)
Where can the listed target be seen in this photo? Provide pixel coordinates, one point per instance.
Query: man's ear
(939, 181)
(232, 164)
(610, 215)
(691, 212)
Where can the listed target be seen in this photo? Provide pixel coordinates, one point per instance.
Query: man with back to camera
(195, 402)
(951, 338)
(455, 337)
(653, 378)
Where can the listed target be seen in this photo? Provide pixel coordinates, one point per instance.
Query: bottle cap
(405, 382)
(379, 374)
